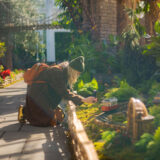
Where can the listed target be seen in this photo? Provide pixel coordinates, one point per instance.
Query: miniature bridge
(15, 22)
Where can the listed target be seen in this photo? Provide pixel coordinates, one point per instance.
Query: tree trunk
(8, 56)
(152, 16)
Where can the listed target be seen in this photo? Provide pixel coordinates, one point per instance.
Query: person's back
(49, 88)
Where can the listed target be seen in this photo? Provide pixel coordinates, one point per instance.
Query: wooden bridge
(15, 28)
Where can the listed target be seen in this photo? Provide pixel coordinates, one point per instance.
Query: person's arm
(90, 100)
(58, 83)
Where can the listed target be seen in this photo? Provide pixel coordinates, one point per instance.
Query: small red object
(108, 108)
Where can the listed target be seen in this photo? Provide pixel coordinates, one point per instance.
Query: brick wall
(109, 16)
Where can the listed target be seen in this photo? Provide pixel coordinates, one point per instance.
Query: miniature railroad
(122, 107)
(103, 118)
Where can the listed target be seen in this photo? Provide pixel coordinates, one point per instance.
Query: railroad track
(103, 117)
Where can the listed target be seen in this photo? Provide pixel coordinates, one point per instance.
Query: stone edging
(83, 147)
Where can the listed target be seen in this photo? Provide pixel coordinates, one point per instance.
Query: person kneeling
(47, 91)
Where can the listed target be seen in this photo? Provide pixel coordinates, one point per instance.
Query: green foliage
(103, 55)
(1, 68)
(26, 43)
(157, 27)
(153, 147)
(108, 136)
(80, 84)
(155, 111)
(135, 30)
(99, 146)
(135, 66)
(61, 45)
(86, 113)
(120, 141)
(27, 46)
(141, 145)
(87, 89)
(144, 86)
(157, 136)
(72, 15)
(17, 71)
(120, 118)
(86, 77)
(153, 48)
(123, 93)
(2, 49)
(153, 90)
(1, 80)
(158, 4)
(83, 46)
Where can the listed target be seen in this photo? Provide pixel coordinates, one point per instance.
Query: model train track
(103, 117)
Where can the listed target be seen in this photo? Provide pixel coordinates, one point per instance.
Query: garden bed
(112, 141)
(11, 80)
(83, 147)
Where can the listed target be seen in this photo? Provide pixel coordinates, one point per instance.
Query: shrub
(141, 145)
(120, 141)
(155, 111)
(123, 93)
(17, 71)
(153, 147)
(153, 48)
(154, 89)
(157, 135)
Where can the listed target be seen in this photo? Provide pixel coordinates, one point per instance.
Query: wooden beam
(29, 27)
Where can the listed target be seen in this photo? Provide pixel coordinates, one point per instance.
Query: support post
(50, 41)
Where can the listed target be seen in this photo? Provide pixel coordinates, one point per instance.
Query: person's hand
(90, 100)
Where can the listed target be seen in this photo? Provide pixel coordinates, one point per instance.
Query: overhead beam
(30, 27)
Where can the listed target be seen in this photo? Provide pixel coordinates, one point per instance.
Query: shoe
(21, 118)
(58, 116)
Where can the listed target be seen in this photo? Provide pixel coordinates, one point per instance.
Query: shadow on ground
(47, 142)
